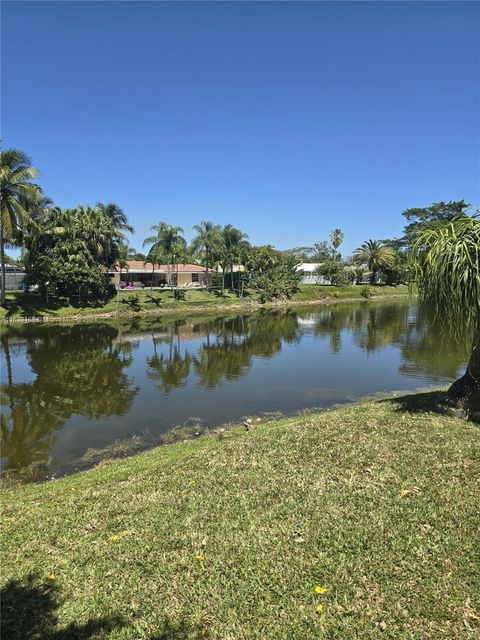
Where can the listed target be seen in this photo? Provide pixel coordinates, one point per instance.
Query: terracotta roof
(140, 266)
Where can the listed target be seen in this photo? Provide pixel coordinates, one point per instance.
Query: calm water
(68, 389)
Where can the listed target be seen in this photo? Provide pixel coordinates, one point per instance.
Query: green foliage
(133, 302)
(206, 243)
(277, 281)
(334, 272)
(366, 292)
(71, 249)
(336, 239)
(375, 254)
(446, 264)
(19, 196)
(437, 214)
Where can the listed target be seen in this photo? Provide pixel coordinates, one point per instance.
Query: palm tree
(446, 262)
(164, 243)
(18, 196)
(336, 238)
(206, 240)
(375, 254)
(119, 226)
(234, 244)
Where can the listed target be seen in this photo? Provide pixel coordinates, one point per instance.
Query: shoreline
(189, 308)
(298, 508)
(144, 442)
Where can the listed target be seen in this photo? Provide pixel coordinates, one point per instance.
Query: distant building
(308, 270)
(145, 274)
(14, 277)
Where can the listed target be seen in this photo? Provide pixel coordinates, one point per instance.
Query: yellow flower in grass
(473, 616)
(114, 538)
(51, 576)
(125, 533)
(319, 608)
(200, 557)
(320, 590)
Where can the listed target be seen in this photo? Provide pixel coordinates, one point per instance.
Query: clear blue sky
(285, 119)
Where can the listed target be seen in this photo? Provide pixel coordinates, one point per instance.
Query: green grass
(20, 305)
(376, 502)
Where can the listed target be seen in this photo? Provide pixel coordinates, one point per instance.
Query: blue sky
(285, 119)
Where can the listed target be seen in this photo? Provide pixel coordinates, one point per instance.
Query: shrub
(334, 272)
(132, 302)
(365, 292)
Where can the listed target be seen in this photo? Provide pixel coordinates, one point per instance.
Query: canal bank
(131, 304)
(351, 522)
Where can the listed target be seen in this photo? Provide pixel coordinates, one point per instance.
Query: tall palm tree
(164, 243)
(336, 238)
(375, 254)
(206, 241)
(119, 226)
(18, 196)
(446, 261)
(234, 244)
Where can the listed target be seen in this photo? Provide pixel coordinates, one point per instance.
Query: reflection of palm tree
(238, 340)
(27, 433)
(79, 370)
(170, 372)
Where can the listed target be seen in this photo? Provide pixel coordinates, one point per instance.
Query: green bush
(334, 272)
(365, 292)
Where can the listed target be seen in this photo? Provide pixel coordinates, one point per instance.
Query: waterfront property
(145, 274)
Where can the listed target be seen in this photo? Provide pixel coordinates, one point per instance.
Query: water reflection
(52, 373)
(76, 370)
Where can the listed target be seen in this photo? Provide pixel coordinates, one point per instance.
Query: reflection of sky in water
(315, 359)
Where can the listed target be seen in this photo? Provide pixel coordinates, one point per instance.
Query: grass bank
(32, 306)
(377, 503)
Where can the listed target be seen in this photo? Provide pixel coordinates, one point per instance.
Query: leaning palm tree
(376, 254)
(164, 243)
(18, 196)
(446, 262)
(206, 241)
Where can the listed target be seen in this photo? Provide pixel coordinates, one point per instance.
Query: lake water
(67, 389)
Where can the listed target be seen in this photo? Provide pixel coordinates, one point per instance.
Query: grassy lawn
(378, 503)
(20, 305)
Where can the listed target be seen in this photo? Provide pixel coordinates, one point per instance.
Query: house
(146, 274)
(308, 270)
(14, 277)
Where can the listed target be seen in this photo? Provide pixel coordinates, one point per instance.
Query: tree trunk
(2, 261)
(206, 267)
(463, 398)
(373, 277)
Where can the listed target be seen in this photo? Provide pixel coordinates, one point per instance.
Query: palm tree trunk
(373, 277)
(2, 261)
(206, 265)
(463, 397)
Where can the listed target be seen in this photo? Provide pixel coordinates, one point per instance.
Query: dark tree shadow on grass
(423, 402)
(29, 611)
